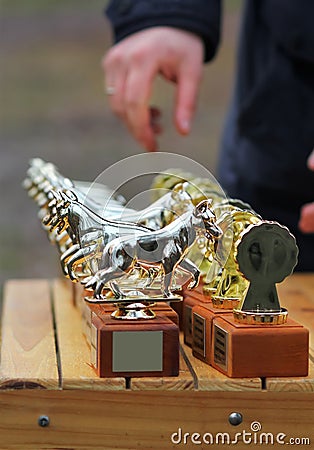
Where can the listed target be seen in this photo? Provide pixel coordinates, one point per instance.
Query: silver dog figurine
(165, 249)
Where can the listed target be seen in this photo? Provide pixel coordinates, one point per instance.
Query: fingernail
(185, 126)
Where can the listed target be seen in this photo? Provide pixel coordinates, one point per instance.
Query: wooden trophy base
(89, 311)
(191, 299)
(125, 348)
(163, 309)
(197, 292)
(178, 309)
(202, 324)
(101, 310)
(240, 350)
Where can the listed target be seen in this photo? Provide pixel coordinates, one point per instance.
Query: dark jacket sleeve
(201, 17)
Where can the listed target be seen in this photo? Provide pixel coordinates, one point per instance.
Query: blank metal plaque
(134, 351)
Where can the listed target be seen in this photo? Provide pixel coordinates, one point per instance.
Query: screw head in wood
(235, 418)
(43, 421)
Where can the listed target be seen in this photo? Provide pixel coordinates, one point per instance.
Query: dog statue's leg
(191, 268)
(80, 256)
(166, 280)
(101, 278)
(69, 252)
(114, 287)
(66, 255)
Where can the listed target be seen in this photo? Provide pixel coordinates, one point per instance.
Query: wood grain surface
(28, 353)
(87, 412)
(146, 419)
(74, 353)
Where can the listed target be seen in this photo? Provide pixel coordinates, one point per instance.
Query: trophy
(120, 338)
(223, 284)
(227, 288)
(133, 268)
(129, 263)
(204, 250)
(259, 339)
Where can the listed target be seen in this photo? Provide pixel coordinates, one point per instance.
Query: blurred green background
(53, 106)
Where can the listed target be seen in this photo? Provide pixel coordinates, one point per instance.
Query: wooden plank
(209, 379)
(28, 355)
(184, 382)
(127, 420)
(296, 294)
(74, 353)
(303, 281)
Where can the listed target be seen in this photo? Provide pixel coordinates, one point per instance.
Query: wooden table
(45, 371)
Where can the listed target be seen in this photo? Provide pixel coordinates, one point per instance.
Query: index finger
(137, 94)
(186, 96)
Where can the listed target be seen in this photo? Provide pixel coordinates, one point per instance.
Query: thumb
(310, 161)
(186, 97)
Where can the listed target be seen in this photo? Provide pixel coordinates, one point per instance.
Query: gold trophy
(230, 285)
(259, 339)
(203, 251)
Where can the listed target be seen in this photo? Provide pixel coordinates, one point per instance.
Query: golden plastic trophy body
(259, 339)
(227, 288)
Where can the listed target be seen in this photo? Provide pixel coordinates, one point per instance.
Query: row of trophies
(212, 258)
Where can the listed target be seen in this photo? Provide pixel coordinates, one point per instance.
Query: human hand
(306, 223)
(132, 65)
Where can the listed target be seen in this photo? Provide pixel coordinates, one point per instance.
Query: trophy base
(242, 350)
(225, 302)
(134, 311)
(202, 324)
(190, 300)
(165, 310)
(90, 310)
(261, 318)
(209, 291)
(134, 348)
(177, 307)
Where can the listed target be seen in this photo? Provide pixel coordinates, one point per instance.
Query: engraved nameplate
(137, 351)
(220, 347)
(188, 324)
(199, 334)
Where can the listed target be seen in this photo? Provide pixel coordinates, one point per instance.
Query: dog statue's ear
(200, 209)
(53, 195)
(69, 195)
(203, 207)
